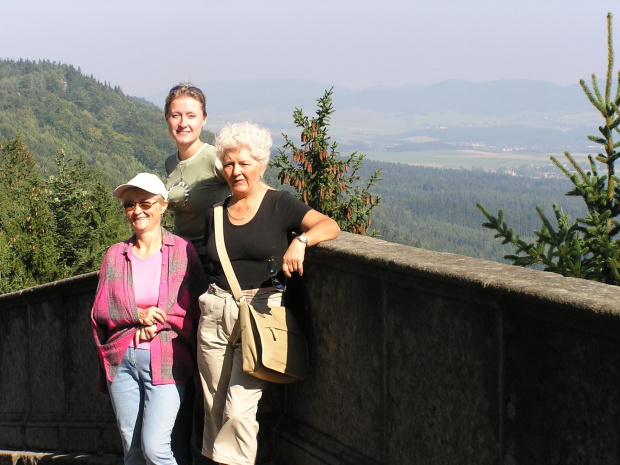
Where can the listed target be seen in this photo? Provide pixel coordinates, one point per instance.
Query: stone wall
(416, 357)
(48, 370)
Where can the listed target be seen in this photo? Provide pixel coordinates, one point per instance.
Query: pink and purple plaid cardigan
(114, 314)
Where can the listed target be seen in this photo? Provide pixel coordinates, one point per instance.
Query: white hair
(243, 135)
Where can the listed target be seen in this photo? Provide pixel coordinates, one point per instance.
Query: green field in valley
(469, 159)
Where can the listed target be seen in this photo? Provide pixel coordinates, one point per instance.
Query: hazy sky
(146, 46)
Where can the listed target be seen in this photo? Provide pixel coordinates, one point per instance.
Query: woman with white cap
(144, 321)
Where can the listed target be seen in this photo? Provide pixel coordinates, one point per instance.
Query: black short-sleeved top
(251, 245)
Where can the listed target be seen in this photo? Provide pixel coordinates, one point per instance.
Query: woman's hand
(145, 333)
(148, 318)
(293, 260)
(151, 316)
(316, 227)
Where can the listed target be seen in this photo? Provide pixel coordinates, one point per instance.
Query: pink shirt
(146, 275)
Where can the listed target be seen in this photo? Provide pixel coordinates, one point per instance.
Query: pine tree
(27, 251)
(87, 218)
(52, 230)
(324, 180)
(589, 247)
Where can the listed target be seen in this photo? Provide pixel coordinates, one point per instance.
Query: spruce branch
(323, 179)
(588, 247)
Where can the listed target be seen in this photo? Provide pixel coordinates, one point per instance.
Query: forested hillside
(55, 107)
(436, 208)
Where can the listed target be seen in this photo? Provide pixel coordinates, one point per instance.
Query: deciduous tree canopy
(55, 107)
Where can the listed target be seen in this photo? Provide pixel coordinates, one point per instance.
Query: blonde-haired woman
(193, 182)
(258, 224)
(194, 186)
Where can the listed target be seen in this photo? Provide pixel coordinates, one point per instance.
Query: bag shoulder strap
(218, 220)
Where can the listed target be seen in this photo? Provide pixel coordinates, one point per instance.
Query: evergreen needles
(55, 228)
(322, 178)
(589, 247)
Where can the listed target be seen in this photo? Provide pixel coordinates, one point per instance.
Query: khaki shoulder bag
(273, 345)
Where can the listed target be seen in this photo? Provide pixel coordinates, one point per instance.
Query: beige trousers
(231, 396)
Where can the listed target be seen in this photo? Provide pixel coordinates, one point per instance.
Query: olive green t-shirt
(193, 187)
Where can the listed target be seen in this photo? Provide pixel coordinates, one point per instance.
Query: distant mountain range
(57, 108)
(534, 114)
(490, 98)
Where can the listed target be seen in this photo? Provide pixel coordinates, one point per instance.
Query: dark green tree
(55, 229)
(27, 247)
(324, 180)
(88, 219)
(589, 247)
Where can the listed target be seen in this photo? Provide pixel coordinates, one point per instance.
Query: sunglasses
(273, 271)
(190, 88)
(145, 205)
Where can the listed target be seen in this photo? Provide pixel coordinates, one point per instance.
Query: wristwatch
(302, 238)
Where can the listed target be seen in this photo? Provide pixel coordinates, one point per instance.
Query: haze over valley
(497, 125)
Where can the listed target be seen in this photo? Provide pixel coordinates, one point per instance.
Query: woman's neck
(186, 152)
(243, 209)
(147, 243)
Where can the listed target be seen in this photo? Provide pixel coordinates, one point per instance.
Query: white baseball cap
(147, 182)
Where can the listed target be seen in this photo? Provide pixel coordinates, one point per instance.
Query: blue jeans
(145, 413)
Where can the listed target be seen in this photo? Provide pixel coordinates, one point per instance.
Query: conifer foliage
(589, 247)
(87, 219)
(55, 228)
(324, 180)
(27, 255)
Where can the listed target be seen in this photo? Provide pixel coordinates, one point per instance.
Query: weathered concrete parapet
(416, 357)
(382, 257)
(48, 368)
(435, 358)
